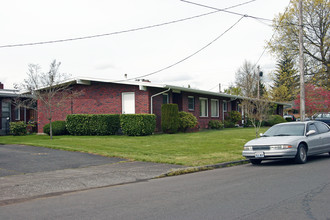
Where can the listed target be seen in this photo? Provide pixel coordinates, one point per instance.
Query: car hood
(274, 140)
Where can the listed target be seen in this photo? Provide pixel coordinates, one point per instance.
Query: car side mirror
(261, 134)
(310, 132)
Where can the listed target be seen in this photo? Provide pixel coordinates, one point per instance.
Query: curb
(187, 170)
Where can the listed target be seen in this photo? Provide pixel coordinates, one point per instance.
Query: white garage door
(128, 100)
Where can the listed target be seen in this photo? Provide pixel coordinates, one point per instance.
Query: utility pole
(260, 73)
(301, 64)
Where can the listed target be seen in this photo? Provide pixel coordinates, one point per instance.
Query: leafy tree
(232, 90)
(286, 80)
(316, 35)
(317, 99)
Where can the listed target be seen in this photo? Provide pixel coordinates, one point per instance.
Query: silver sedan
(296, 140)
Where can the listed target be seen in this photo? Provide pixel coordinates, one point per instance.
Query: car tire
(255, 161)
(301, 156)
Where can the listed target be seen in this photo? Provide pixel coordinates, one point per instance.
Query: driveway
(28, 172)
(19, 159)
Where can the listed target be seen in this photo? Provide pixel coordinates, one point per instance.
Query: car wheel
(301, 156)
(255, 161)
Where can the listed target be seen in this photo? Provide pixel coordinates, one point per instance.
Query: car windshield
(286, 130)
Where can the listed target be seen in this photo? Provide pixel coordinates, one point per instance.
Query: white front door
(128, 100)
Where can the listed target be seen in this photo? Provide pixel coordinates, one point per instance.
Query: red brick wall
(202, 121)
(106, 98)
(97, 98)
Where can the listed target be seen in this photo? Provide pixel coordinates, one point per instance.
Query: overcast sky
(140, 52)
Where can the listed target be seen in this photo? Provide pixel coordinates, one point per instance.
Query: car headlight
(280, 147)
(248, 148)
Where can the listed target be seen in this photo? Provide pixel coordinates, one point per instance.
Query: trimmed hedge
(138, 124)
(186, 120)
(86, 124)
(170, 118)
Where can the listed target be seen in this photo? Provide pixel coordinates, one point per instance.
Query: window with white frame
(191, 103)
(17, 114)
(225, 106)
(165, 98)
(214, 108)
(203, 107)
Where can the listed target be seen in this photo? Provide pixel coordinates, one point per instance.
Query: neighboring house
(9, 112)
(141, 97)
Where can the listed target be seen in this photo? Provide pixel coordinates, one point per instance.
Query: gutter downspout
(151, 103)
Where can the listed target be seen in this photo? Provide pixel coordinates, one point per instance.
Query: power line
(191, 55)
(225, 10)
(120, 32)
(277, 27)
(106, 34)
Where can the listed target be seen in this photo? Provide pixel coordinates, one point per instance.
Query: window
(225, 106)
(17, 113)
(128, 103)
(311, 127)
(203, 107)
(191, 103)
(214, 108)
(322, 127)
(165, 98)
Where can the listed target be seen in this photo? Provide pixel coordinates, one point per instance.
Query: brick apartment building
(142, 97)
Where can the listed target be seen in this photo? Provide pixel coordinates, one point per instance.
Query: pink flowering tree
(317, 99)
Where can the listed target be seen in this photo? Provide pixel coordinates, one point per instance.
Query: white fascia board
(203, 92)
(126, 82)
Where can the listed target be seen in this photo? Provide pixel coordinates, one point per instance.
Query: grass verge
(189, 149)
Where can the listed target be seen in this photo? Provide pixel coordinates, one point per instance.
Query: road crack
(308, 199)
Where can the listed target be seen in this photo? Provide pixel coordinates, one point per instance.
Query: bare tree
(246, 79)
(48, 89)
(256, 111)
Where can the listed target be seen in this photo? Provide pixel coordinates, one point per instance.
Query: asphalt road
(274, 190)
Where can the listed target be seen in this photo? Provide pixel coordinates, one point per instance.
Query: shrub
(87, 124)
(234, 116)
(138, 124)
(215, 124)
(229, 124)
(18, 128)
(273, 120)
(187, 120)
(288, 119)
(58, 128)
(247, 123)
(170, 118)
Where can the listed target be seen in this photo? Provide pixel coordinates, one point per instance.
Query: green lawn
(190, 149)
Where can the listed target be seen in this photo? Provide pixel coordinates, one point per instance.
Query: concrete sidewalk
(19, 188)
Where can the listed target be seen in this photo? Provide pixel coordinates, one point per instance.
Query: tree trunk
(50, 129)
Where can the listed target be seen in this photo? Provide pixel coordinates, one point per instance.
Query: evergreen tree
(286, 80)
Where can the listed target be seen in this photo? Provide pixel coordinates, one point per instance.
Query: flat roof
(88, 80)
